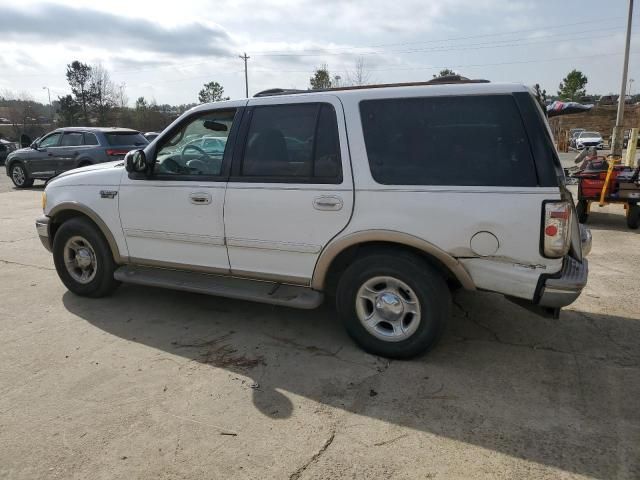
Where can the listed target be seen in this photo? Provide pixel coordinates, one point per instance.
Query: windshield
(589, 134)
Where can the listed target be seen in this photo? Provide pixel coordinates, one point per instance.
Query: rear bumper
(42, 227)
(563, 288)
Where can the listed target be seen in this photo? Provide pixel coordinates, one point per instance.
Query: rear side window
(90, 139)
(126, 138)
(72, 139)
(464, 140)
(295, 141)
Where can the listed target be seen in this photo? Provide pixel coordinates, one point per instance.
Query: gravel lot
(168, 385)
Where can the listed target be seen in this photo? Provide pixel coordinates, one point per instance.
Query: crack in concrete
(39, 267)
(296, 475)
(621, 362)
(16, 240)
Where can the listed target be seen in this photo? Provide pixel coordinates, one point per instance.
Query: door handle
(328, 202)
(200, 198)
(50, 154)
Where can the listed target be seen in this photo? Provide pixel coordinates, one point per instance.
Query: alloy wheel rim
(388, 308)
(80, 259)
(18, 175)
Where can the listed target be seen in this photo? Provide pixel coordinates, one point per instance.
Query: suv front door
(290, 189)
(173, 217)
(42, 161)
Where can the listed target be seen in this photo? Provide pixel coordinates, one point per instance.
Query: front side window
(464, 140)
(72, 139)
(198, 147)
(50, 141)
(298, 141)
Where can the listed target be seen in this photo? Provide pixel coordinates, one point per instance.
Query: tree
(361, 75)
(573, 86)
(541, 95)
(445, 73)
(103, 93)
(68, 110)
(79, 78)
(321, 79)
(212, 92)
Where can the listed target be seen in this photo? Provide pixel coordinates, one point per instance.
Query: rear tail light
(116, 153)
(556, 229)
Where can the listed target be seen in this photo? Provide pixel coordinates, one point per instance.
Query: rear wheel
(83, 259)
(393, 305)
(633, 216)
(19, 176)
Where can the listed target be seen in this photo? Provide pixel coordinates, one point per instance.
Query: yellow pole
(630, 161)
(603, 193)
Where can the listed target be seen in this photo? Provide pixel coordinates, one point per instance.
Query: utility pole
(50, 106)
(246, 77)
(616, 140)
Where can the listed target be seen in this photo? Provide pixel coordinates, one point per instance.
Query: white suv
(385, 198)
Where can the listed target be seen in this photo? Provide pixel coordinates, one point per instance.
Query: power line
(273, 52)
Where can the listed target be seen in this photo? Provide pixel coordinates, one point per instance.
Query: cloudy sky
(167, 50)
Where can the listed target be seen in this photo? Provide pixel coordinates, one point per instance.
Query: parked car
(573, 135)
(383, 198)
(6, 147)
(150, 136)
(589, 139)
(68, 148)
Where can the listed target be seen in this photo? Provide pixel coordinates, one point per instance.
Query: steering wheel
(196, 148)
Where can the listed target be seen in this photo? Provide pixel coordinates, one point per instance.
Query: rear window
(126, 138)
(465, 140)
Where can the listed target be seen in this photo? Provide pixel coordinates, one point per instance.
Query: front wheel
(19, 176)
(83, 259)
(393, 305)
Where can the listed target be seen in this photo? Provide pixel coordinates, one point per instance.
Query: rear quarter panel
(449, 216)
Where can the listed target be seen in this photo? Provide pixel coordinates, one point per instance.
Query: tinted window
(90, 139)
(467, 140)
(71, 139)
(50, 141)
(126, 138)
(293, 141)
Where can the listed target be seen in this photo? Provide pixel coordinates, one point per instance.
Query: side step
(231, 287)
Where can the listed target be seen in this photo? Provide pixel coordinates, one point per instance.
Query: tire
(19, 176)
(409, 280)
(84, 163)
(633, 216)
(582, 210)
(76, 241)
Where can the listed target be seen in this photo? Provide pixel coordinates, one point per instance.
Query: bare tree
(103, 93)
(361, 75)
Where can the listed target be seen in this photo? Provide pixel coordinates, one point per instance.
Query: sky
(165, 51)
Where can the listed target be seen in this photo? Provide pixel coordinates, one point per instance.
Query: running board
(230, 287)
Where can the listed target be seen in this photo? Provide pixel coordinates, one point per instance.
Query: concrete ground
(156, 384)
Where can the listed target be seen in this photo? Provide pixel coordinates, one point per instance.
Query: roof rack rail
(279, 91)
(446, 80)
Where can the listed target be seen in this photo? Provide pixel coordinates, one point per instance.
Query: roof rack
(446, 80)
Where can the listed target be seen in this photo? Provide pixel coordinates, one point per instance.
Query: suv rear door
(290, 190)
(71, 147)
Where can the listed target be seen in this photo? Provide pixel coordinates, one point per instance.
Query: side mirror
(135, 161)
